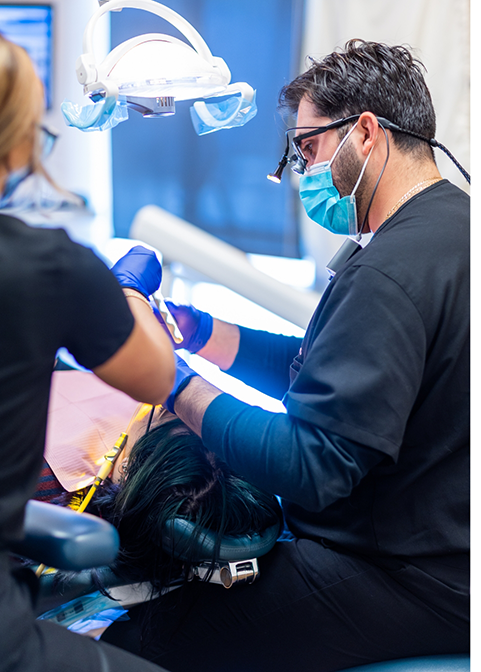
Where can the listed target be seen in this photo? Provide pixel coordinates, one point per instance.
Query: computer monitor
(30, 26)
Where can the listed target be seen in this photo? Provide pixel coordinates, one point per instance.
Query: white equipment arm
(224, 264)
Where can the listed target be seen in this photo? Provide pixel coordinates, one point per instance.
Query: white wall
(438, 31)
(81, 161)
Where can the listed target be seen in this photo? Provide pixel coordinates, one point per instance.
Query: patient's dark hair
(171, 474)
(374, 77)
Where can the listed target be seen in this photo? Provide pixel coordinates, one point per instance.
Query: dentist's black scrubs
(371, 461)
(53, 293)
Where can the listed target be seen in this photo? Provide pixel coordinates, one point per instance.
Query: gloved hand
(183, 373)
(139, 269)
(195, 326)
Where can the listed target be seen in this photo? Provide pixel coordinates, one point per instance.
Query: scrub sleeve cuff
(249, 343)
(263, 360)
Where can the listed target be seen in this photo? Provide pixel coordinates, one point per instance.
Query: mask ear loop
(362, 172)
(343, 141)
(377, 182)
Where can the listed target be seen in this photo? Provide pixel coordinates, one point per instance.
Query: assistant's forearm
(144, 366)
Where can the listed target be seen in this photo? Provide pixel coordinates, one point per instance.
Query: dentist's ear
(367, 131)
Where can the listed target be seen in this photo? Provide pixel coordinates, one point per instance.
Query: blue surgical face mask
(11, 183)
(322, 201)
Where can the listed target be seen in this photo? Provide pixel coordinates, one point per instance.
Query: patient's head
(171, 474)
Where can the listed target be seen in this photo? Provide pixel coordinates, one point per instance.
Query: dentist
(371, 459)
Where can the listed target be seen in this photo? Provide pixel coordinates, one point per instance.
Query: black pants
(28, 645)
(313, 609)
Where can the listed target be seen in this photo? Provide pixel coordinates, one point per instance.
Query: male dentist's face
(347, 165)
(319, 147)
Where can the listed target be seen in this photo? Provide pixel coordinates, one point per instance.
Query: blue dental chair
(67, 540)
(62, 538)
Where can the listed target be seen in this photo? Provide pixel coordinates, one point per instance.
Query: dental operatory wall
(81, 161)
(218, 181)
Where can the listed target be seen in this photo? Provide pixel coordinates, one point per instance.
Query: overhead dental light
(150, 73)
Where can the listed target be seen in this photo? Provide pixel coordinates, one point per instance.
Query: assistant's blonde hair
(20, 99)
(21, 109)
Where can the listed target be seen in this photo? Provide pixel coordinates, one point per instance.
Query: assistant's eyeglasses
(298, 162)
(47, 139)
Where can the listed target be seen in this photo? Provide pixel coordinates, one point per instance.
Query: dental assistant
(371, 459)
(55, 293)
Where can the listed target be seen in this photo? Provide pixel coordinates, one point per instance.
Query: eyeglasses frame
(316, 130)
(51, 137)
(300, 162)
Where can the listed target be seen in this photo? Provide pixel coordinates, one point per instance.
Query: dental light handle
(243, 88)
(202, 110)
(86, 70)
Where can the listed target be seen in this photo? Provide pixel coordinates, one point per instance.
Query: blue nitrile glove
(183, 374)
(195, 326)
(139, 269)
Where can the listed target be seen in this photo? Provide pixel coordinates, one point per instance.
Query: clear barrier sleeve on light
(234, 111)
(99, 116)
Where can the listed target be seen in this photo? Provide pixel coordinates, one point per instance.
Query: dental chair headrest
(182, 539)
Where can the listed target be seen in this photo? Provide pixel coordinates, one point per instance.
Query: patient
(169, 474)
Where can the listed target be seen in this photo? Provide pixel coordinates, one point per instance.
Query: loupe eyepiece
(277, 174)
(298, 165)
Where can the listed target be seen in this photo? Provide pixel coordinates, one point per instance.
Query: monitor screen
(30, 26)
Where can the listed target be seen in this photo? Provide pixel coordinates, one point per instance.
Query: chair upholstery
(178, 533)
(65, 539)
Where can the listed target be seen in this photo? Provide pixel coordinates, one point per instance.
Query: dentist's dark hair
(369, 77)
